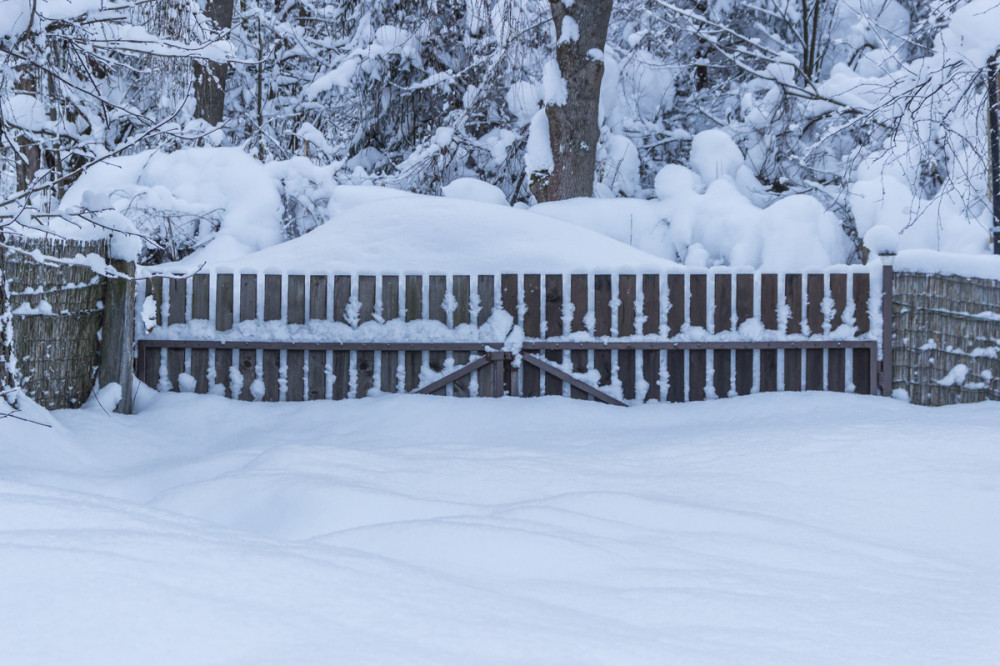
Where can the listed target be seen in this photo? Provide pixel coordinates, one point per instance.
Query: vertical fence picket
(317, 359)
(177, 294)
(437, 289)
(366, 313)
(248, 312)
(224, 288)
(295, 359)
(814, 318)
(414, 360)
(744, 311)
(200, 294)
(152, 360)
(651, 326)
(698, 358)
(864, 382)
(460, 291)
(485, 289)
(769, 319)
(793, 357)
(508, 301)
(578, 296)
(271, 358)
(553, 328)
(390, 310)
(602, 326)
(341, 297)
(626, 327)
(675, 321)
(531, 377)
(837, 358)
(722, 359)
(341, 360)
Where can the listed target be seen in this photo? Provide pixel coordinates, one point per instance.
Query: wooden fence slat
(578, 297)
(390, 310)
(863, 382)
(793, 357)
(675, 320)
(248, 312)
(862, 291)
(151, 362)
(815, 291)
(341, 297)
(626, 327)
(366, 359)
(177, 288)
(224, 287)
(460, 287)
(317, 359)
(531, 375)
(413, 360)
(723, 359)
(602, 325)
(200, 308)
(271, 358)
(437, 290)
(553, 329)
(837, 358)
(744, 311)
(698, 358)
(295, 360)
(651, 325)
(486, 289)
(769, 318)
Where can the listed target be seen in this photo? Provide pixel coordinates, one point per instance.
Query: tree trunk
(573, 126)
(210, 77)
(30, 159)
(8, 363)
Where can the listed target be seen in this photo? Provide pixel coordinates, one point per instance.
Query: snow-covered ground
(777, 529)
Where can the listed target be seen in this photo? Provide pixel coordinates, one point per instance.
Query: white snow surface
(424, 233)
(771, 529)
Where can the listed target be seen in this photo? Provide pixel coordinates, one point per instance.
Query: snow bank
(423, 530)
(948, 263)
(218, 200)
(424, 234)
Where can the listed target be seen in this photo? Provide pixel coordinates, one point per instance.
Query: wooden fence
(616, 338)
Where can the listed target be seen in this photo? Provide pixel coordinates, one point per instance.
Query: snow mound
(418, 233)
(473, 189)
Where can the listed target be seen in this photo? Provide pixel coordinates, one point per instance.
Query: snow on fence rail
(611, 337)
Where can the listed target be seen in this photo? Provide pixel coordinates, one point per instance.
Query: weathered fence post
(885, 369)
(8, 362)
(118, 332)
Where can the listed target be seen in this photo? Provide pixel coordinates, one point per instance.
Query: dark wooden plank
(437, 291)
(793, 369)
(838, 292)
(793, 300)
(389, 360)
(651, 325)
(365, 360)
(675, 376)
(341, 297)
(508, 295)
(861, 289)
(861, 371)
(295, 360)
(602, 325)
(814, 369)
(486, 290)
(815, 289)
(248, 312)
(413, 360)
(316, 379)
(722, 359)
(578, 297)
(836, 366)
(626, 327)
(553, 329)
(460, 287)
(153, 358)
(675, 294)
(744, 311)
(769, 318)
(271, 358)
(224, 322)
(154, 288)
(341, 374)
(200, 299)
(177, 288)
(697, 358)
(531, 376)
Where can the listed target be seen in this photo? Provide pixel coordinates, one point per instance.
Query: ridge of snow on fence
(653, 336)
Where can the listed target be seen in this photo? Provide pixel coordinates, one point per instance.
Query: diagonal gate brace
(571, 380)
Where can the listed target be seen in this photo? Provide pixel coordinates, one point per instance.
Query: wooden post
(885, 372)
(118, 333)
